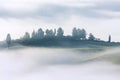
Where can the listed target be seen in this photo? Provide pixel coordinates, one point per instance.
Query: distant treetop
(77, 34)
(40, 34)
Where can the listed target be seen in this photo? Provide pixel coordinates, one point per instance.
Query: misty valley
(59, 40)
(51, 55)
(42, 63)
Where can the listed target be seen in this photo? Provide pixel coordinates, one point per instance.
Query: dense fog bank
(60, 64)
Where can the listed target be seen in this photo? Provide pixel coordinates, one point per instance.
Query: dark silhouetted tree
(50, 33)
(60, 32)
(8, 40)
(83, 34)
(79, 33)
(109, 39)
(33, 34)
(47, 32)
(26, 36)
(91, 37)
(74, 33)
(40, 34)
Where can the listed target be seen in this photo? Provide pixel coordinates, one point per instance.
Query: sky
(100, 17)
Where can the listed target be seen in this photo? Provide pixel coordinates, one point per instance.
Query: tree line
(77, 33)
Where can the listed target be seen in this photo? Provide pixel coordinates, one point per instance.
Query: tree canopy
(8, 40)
(77, 34)
(55, 37)
(60, 32)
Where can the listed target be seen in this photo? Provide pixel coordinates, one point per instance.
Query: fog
(60, 64)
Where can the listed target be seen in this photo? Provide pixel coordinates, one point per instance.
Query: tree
(8, 40)
(33, 34)
(50, 33)
(40, 34)
(47, 32)
(91, 37)
(74, 33)
(26, 36)
(79, 33)
(60, 32)
(109, 38)
(83, 34)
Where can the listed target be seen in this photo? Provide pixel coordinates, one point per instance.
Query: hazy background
(101, 17)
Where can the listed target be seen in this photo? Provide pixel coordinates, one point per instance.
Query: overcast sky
(100, 17)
